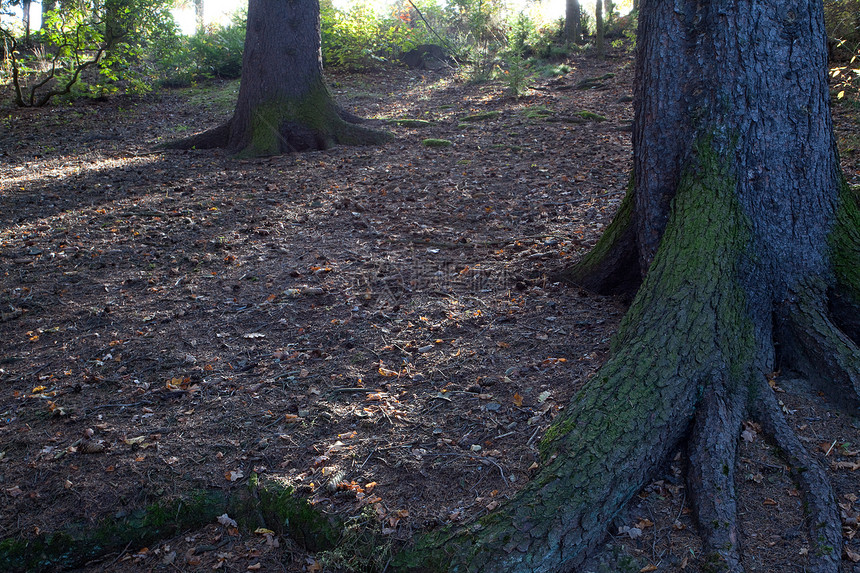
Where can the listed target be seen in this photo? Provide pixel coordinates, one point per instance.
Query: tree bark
(572, 22)
(25, 20)
(199, 15)
(284, 104)
(599, 29)
(747, 236)
(47, 7)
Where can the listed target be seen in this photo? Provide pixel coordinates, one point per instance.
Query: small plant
(846, 78)
(516, 75)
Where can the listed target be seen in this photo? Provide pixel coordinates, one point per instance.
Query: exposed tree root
(826, 355)
(846, 313)
(294, 136)
(825, 529)
(713, 448)
(612, 266)
(214, 138)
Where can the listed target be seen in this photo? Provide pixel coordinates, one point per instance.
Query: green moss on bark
(312, 121)
(845, 243)
(688, 324)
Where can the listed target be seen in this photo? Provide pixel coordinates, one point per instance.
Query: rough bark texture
(284, 104)
(572, 22)
(741, 225)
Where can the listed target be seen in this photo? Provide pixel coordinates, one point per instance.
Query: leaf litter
(364, 323)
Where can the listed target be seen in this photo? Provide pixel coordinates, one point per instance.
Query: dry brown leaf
(518, 400)
(648, 568)
(852, 556)
(769, 501)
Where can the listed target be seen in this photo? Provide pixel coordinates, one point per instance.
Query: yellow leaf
(518, 400)
(648, 568)
(840, 95)
(263, 531)
(386, 372)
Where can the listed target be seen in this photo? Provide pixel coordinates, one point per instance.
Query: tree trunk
(47, 7)
(25, 18)
(283, 103)
(599, 29)
(572, 22)
(746, 236)
(199, 15)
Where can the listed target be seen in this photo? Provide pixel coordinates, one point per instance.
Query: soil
(377, 326)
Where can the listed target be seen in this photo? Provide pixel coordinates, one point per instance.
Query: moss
(274, 122)
(82, 542)
(487, 115)
(436, 143)
(284, 511)
(590, 115)
(539, 112)
(844, 242)
(608, 240)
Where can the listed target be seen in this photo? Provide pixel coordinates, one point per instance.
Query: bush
(87, 48)
(359, 38)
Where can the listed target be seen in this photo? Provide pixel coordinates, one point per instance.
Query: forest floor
(377, 326)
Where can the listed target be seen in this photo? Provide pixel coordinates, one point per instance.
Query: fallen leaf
(234, 475)
(14, 491)
(263, 531)
(769, 501)
(648, 568)
(226, 521)
(252, 335)
(518, 400)
(854, 557)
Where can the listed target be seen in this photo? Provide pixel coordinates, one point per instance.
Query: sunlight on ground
(27, 177)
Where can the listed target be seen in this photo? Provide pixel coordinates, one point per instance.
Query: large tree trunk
(47, 7)
(283, 104)
(746, 235)
(572, 22)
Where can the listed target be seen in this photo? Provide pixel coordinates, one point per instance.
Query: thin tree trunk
(599, 29)
(25, 18)
(198, 13)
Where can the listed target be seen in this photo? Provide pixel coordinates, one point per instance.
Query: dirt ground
(379, 327)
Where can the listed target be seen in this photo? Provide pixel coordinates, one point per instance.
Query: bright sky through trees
(218, 11)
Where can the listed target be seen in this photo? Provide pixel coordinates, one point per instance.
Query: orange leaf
(769, 501)
(518, 400)
(387, 373)
(648, 568)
